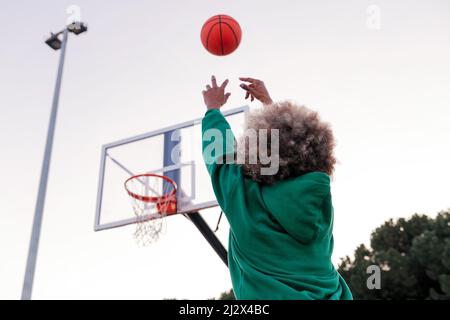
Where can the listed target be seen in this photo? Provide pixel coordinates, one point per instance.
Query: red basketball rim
(156, 199)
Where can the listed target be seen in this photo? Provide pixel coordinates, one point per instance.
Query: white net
(153, 197)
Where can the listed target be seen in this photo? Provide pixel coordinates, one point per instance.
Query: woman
(281, 224)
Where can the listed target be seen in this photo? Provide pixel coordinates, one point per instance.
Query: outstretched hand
(256, 89)
(215, 96)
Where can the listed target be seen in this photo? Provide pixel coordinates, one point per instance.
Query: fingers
(249, 95)
(226, 97)
(248, 88)
(250, 92)
(214, 82)
(208, 87)
(224, 84)
(251, 80)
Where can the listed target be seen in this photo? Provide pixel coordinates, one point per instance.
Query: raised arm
(218, 145)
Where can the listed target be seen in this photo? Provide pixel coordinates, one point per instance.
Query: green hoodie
(281, 235)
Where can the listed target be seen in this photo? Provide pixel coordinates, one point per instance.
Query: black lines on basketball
(221, 37)
(209, 33)
(234, 33)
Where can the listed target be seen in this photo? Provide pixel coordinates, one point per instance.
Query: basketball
(221, 35)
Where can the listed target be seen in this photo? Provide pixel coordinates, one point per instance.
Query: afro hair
(306, 144)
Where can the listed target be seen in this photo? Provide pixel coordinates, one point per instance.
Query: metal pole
(171, 140)
(37, 222)
(209, 235)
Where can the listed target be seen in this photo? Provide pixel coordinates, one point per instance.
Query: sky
(378, 71)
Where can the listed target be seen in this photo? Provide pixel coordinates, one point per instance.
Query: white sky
(141, 66)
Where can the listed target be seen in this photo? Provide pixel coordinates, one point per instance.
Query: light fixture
(77, 27)
(54, 42)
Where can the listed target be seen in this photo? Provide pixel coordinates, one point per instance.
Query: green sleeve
(218, 153)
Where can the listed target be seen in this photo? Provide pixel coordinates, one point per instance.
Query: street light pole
(39, 209)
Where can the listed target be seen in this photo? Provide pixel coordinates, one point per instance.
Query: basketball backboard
(175, 152)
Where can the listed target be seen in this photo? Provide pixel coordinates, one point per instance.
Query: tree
(414, 258)
(228, 295)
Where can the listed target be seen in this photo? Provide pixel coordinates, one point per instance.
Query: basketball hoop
(153, 197)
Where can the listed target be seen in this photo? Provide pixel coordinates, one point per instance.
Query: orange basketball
(221, 35)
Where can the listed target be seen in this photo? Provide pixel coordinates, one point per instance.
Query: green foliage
(228, 295)
(414, 257)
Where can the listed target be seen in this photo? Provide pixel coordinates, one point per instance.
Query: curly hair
(306, 144)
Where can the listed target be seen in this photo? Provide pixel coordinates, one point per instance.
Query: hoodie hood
(302, 206)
